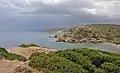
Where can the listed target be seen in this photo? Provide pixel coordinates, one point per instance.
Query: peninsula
(94, 33)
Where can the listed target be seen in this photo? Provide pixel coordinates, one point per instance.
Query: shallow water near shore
(15, 38)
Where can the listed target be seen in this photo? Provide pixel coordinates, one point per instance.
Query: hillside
(95, 33)
(15, 60)
(33, 59)
(76, 61)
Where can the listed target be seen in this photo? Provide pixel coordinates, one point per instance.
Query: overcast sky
(57, 13)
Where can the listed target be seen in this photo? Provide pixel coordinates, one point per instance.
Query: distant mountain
(95, 33)
(50, 30)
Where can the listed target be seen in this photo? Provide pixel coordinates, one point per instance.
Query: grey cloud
(37, 13)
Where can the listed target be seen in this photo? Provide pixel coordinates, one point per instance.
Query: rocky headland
(95, 33)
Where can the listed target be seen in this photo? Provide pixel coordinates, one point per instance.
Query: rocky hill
(95, 33)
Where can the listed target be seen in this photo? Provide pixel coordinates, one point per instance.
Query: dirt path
(15, 66)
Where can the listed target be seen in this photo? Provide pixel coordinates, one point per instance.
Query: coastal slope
(94, 33)
(43, 60)
(16, 60)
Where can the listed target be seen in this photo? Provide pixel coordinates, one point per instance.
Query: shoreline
(114, 45)
(23, 51)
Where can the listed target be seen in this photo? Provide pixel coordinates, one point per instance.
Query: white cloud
(50, 1)
(109, 8)
(91, 11)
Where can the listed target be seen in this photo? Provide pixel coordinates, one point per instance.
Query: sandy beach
(114, 45)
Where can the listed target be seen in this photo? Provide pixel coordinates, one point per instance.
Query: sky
(15, 14)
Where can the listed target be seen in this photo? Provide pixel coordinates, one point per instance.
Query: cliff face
(95, 33)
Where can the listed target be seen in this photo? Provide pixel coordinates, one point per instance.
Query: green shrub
(110, 68)
(34, 45)
(98, 70)
(28, 45)
(76, 61)
(3, 50)
(12, 56)
(83, 61)
(55, 64)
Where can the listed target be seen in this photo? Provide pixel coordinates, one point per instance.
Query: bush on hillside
(12, 56)
(55, 64)
(3, 50)
(110, 68)
(76, 61)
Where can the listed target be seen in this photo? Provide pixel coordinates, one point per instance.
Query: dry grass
(26, 52)
(15, 66)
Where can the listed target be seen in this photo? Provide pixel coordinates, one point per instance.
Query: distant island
(49, 30)
(52, 30)
(94, 33)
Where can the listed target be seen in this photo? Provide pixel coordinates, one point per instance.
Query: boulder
(93, 40)
(58, 39)
(68, 39)
(55, 36)
(99, 41)
(83, 41)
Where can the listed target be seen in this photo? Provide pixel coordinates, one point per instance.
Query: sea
(10, 39)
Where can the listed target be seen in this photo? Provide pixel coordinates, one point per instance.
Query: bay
(15, 38)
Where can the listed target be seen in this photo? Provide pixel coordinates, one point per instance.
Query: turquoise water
(13, 39)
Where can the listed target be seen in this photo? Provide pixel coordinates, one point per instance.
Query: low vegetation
(76, 61)
(10, 56)
(3, 50)
(28, 45)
